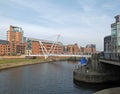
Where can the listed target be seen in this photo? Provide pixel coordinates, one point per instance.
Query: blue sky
(77, 21)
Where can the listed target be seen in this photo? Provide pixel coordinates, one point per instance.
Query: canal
(44, 78)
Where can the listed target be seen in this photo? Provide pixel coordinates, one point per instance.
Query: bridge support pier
(103, 73)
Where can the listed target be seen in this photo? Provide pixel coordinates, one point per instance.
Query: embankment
(115, 90)
(16, 64)
(15, 61)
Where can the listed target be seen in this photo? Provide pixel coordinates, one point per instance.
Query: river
(44, 78)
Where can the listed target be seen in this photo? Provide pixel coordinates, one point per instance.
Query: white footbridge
(50, 53)
(59, 55)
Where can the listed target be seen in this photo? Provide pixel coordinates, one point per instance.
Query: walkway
(110, 62)
(109, 91)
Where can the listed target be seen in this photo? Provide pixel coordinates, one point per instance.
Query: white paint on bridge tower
(46, 52)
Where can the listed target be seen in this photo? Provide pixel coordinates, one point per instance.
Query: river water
(44, 78)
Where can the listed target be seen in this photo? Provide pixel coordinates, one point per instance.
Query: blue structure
(83, 61)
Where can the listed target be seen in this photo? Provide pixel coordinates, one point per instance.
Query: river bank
(16, 62)
(19, 63)
(115, 90)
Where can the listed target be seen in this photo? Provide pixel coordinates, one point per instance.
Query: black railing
(110, 56)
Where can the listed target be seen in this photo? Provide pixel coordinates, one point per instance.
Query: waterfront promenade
(109, 91)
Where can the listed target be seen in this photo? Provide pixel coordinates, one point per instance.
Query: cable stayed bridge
(51, 49)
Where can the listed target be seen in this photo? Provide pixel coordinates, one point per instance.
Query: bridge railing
(62, 55)
(110, 56)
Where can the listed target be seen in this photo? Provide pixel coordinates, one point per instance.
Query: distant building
(90, 49)
(76, 49)
(70, 49)
(73, 49)
(18, 45)
(4, 48)
(15, 37)
(82, 50)
(64, 49)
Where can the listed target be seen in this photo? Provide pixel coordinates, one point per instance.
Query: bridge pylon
(46, 52)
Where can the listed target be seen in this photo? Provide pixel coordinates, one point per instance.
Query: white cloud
(85, 26)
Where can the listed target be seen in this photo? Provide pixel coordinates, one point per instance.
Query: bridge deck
(110, 62)
(61, 55)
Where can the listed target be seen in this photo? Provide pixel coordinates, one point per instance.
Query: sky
(76, 21)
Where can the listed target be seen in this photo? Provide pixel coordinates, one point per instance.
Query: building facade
(15, 37)
(4, 48)
(20, 48)
(82, 50)
(107, 44)
(115, 35)
(70, 49)
(73, 49)
(112, 42)
(89, 49)
(76, 49)
(37, 46)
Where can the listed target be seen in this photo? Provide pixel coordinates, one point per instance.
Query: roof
(4, 42)
(45, 41)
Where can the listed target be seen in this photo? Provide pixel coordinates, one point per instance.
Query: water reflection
(45, 78)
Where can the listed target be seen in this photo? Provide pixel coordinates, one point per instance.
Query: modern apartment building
(107, 44)
(112, 42)
(15, 37)
(4, 48)
(115, 35)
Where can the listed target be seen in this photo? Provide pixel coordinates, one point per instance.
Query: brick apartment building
(17, 45)
(37, 46)
(20, 48)
(15, 37)
(70, 49)
(4, 47)
(73, 49)
(82, 50)
(76, 49)
(90, 49)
